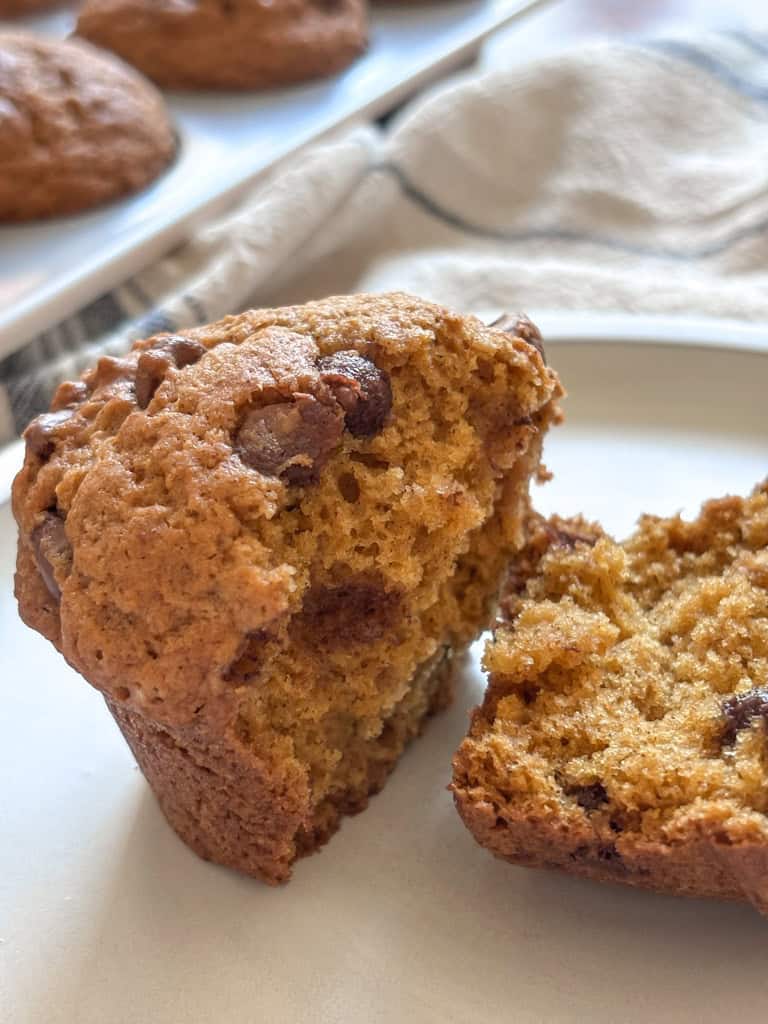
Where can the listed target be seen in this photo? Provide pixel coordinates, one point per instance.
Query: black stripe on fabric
(155, 322)
(196, 306)
(138, 292)
(753, 41)
(35, 353)
(712, 65)
(70, 339)
(28, 401)
(102, 316)
(441, 213)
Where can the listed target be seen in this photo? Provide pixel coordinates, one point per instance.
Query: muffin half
(264, 540)
(623, 735)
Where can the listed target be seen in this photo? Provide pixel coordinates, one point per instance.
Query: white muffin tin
(49, 269)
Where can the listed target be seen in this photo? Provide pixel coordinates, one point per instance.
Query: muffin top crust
(77, 128)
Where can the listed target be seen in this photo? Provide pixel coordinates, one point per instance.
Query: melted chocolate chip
(362, 390)
(40, 435)
(589, 797)
(292, 440)
(155, 362)
(741, 710)
(357, 612)
(521, 327)
(51, 549)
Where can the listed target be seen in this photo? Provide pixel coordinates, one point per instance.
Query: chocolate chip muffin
(77, 128)
(229, 44)
(624, 734)
(263, 540)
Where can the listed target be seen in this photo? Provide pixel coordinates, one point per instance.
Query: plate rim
(560, 327)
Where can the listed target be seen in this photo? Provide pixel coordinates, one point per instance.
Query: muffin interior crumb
(628, 689)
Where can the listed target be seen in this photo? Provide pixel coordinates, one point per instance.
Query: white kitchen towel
(615, 177)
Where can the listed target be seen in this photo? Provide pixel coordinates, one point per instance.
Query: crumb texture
(180, 45)
(268, 534)
(623, 734)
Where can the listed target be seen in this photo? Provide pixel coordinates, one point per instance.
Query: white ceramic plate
(50, 269)
(106, 917)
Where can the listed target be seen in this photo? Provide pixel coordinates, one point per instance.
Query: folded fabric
(615, 177)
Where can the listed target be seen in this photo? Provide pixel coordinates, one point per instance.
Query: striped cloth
(618, 177)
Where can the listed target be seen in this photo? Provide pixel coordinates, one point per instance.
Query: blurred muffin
(77, 128)
(17, 8)
(229, 44)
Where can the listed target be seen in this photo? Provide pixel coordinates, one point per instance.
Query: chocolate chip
(40, 435)
(292, 440)
(155, 362)
(51, 549)
(521, 327)
(357, 612)
(740, 710)
(349, 488)
(362, 390)
(589, 797)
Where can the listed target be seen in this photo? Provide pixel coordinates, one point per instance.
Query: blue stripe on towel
(753, 41)
(713, 65)
(439, 212)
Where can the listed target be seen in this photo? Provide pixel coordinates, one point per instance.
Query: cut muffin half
(623, 733)
(263, 539)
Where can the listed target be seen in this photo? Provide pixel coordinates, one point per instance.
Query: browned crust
(81, 128)
(221, 799)
(704, 866)
(16, 8)
(181, 47)
(232, 807)
(37, 607)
